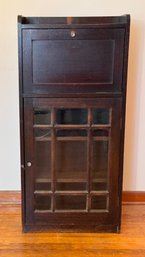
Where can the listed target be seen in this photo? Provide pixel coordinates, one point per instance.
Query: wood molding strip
(14, 197)
(133, 196)
(10, 197)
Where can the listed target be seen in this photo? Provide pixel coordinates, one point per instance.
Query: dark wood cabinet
(72, 74)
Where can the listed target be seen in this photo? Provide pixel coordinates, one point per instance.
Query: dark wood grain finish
(73, 74)
(56, 65)
(108, 21)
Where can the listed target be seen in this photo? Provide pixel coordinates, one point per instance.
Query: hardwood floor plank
(129, 243)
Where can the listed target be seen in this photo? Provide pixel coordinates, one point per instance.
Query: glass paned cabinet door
(72, 152)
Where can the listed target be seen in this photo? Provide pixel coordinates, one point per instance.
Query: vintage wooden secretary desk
(72, 74)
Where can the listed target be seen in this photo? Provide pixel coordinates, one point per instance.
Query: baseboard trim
(133, 196)
(10, 197)
(14, 197)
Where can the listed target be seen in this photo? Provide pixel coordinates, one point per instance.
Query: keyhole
(73, 33)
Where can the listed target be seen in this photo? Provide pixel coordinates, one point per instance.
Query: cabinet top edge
(90, 20)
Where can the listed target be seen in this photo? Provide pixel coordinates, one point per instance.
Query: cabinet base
(72, 228)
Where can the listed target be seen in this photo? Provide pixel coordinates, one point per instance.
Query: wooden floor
(131, 241)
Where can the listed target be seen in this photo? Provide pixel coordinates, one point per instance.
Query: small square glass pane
(42, 116)
(72, 116)
(70, 202)
(42, 202)
(99, 202)
(42, 134)
(100, 116)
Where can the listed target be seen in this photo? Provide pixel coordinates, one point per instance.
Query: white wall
(134, 165)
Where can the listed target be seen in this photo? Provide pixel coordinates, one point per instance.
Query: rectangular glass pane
(42, 116)
(100, 186)
(42, 161)
(100, 132)
(71, 116)
(70, 202)
(71, 161)
(99, 202)
(43, 184)
(71, 186)
(42, 202)
(100, 116)
(100, 165)
(71, 133)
